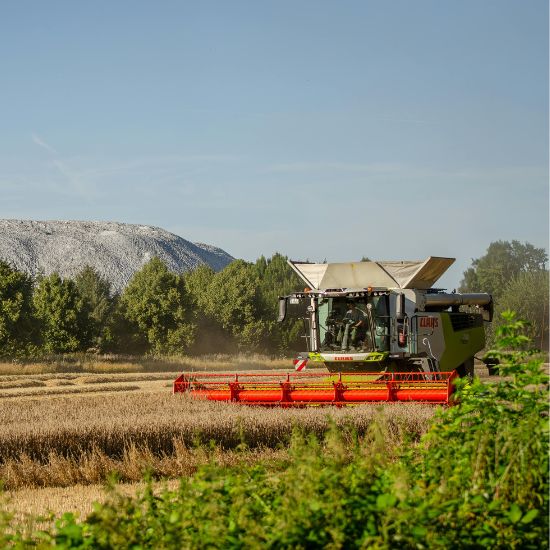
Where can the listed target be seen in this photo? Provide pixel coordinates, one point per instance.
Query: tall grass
(83, 438)
(95, 467)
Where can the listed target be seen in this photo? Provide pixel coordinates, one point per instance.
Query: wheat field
(34, 509)
(63, 429)
(64, 433)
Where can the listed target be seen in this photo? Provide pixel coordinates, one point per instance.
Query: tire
(492, 364)
(466, 369)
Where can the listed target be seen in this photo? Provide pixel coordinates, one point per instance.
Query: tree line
(160, 312)
(516, 275)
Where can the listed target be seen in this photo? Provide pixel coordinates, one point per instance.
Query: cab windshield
(358, 325)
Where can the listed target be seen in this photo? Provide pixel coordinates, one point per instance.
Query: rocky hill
(115, 250)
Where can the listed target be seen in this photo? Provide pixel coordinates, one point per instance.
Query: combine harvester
(379, 328)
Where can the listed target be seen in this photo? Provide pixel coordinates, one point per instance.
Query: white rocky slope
(115, 250)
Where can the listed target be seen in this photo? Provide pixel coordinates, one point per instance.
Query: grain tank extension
(386, 317)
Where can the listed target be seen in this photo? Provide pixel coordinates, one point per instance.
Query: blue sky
(394, 130)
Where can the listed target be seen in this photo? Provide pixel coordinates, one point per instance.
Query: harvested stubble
(41, 377)
(20, 383)
(83, 438)
(50, 391)
(112, 364)
(110, 378)
(51, 384)
(81, 378)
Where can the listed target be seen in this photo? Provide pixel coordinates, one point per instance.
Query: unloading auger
(374, 332)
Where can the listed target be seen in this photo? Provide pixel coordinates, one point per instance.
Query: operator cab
(347, 323)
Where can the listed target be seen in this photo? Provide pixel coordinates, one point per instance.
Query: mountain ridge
(115, 249)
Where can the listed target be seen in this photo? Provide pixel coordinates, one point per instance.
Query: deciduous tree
(528, 295)
(501, 263)
(276, 278)
(155, 301)
(16, 321)
(233, 301)
(60, 310)
(98, 307)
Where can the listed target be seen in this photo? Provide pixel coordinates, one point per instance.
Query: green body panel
(451, 348)
(459, 345)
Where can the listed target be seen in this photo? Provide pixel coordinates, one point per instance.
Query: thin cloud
(163, 161)
(41, 143)
(404, 120)
(300, 167)
(77, 185)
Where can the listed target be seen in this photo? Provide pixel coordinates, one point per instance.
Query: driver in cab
(353, 327)
(355, 316)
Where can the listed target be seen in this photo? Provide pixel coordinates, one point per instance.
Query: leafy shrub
(481, 476)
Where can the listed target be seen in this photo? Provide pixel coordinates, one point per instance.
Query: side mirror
(282, 309)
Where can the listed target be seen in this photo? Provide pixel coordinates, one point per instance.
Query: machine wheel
(492, 364)
(466, 369)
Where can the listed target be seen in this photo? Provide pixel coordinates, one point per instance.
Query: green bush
(481, 476)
